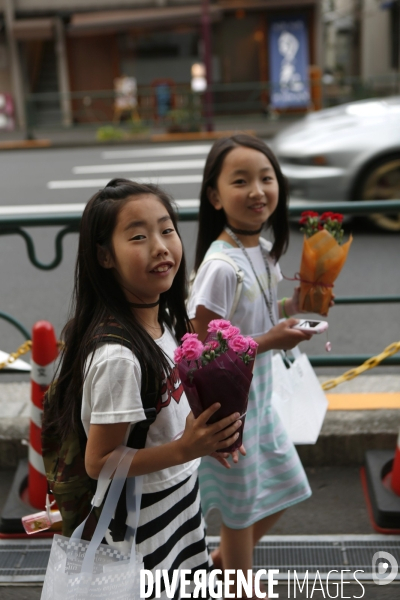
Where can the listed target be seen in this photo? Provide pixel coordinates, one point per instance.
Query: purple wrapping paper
(225, 380)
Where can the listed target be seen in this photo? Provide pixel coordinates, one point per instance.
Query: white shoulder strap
(238, 271)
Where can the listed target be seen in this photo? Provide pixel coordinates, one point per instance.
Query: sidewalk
(337, 505)
(82, 135)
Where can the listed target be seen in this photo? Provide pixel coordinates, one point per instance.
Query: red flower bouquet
(322, 259)
(218, 370)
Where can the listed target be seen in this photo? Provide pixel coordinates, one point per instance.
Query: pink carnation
(189, 336)
(192, 349)
(230, 332)
(252, 346)
(218, 325)
(211, 345)
(238, 344)
(178, 355)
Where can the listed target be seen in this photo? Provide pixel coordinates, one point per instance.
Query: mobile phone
(311, 326)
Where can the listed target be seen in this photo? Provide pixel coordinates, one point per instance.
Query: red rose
(337, 217)
(309, 213)
(325, 216)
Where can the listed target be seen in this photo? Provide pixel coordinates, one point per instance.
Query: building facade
(361, 37)
(84, 45)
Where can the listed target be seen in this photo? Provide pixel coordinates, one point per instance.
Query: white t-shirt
(111, 394)
(215, 287)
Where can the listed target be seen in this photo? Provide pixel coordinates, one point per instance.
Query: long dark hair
(212, 221)
(97, 297)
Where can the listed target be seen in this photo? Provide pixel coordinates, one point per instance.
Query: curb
(198, 136)
(369, 422)
(137, 140)
(344, 439)
(24, 144)
(347, 435)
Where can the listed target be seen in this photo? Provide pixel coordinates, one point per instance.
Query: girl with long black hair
(244, 192)
(131, 270)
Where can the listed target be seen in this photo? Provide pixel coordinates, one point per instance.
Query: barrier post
(44, 353)
(395, 483)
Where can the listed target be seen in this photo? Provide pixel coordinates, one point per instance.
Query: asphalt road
(60, 176)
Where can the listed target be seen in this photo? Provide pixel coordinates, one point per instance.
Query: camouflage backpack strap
(66, 476)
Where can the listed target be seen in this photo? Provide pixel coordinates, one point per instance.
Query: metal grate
(321, 553)
(25, 561)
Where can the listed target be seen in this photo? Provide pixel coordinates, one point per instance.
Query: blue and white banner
(289, 62)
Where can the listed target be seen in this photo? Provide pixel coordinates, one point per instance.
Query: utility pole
(18, 90)
(62, 71)
(206, 38)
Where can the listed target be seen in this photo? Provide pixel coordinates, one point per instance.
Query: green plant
(109, 133)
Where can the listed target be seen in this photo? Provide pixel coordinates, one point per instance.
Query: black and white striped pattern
(171, 531)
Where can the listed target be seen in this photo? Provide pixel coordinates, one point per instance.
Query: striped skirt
(270, 477)
(171, 532)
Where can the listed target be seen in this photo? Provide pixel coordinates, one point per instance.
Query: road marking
(100, 183)
(153, 152)
(176, 165)
(32, 209)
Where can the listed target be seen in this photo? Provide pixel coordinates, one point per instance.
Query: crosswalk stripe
(100, 183)
(153, 152)
(176, 165)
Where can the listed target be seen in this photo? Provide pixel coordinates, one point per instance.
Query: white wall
(375, 40)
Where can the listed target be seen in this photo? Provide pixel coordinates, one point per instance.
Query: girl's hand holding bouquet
(218, 371)
(201, 439)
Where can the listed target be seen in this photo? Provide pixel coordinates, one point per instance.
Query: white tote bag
(298, 398)
(81, 570)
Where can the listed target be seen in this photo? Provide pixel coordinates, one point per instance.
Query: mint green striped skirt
(270, 477)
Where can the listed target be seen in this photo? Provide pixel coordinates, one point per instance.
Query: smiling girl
(130, 271)
(244, 190)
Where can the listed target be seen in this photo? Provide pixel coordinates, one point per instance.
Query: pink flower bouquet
(218, 370)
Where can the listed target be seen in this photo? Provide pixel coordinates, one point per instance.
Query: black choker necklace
(245, 231)
(152, 305)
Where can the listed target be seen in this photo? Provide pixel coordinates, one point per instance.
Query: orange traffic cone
(395, 483)
(44, 353)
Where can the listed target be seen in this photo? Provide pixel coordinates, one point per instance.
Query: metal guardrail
(12, 223)
(69, 217)
(17, 324)
(185, 108)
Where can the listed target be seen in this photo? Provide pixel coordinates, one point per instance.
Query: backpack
(64, 460)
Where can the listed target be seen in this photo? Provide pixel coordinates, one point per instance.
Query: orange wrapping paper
(321, 262)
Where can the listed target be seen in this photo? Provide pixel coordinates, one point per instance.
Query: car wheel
(382, 182)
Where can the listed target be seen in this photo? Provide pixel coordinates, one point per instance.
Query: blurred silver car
(349, 152)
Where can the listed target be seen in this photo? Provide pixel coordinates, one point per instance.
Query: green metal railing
(17, 324)
(13, 224)
(185, 108)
